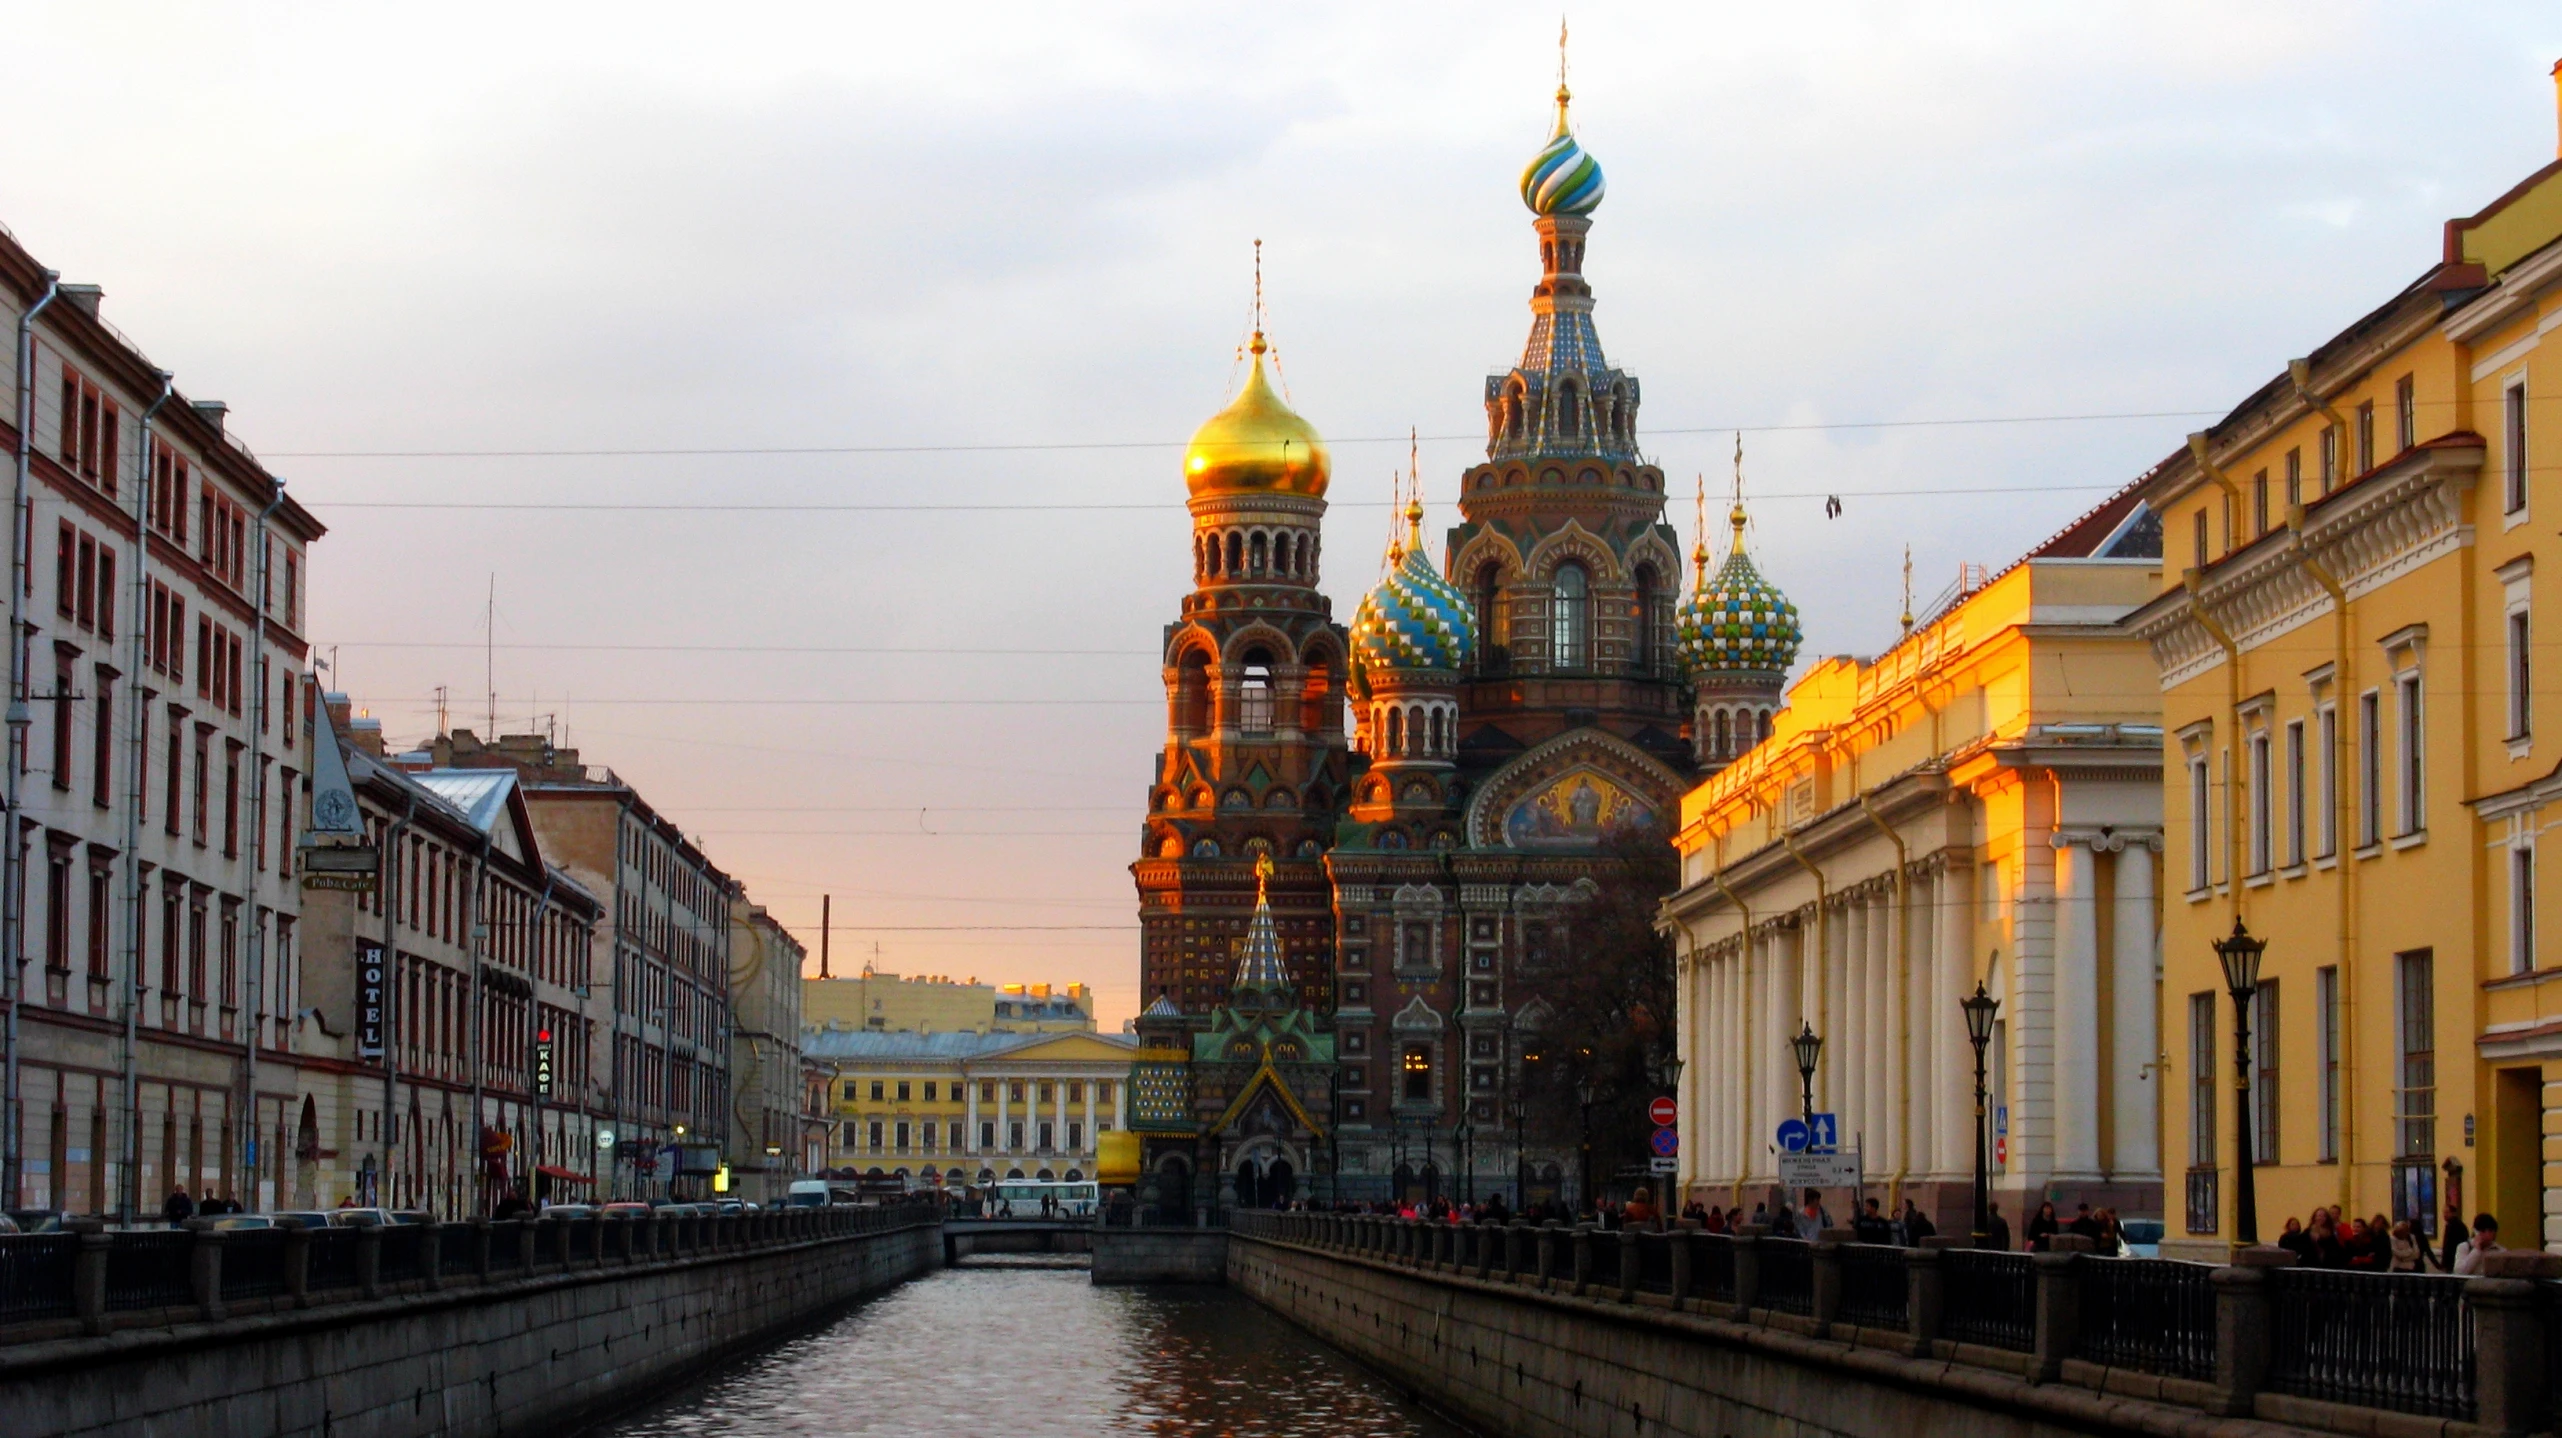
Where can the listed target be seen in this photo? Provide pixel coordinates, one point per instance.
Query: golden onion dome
(1257, 445)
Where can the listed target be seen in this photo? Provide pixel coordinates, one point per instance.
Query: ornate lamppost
(1465, 1136)
(1810, 1047)
(2239, 952)
(1980, 1009)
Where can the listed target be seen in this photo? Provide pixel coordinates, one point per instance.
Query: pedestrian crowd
(2328, 1239)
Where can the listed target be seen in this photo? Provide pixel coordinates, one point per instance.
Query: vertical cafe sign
(370, 982)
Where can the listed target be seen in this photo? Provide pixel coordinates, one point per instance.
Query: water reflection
(1029, 1346)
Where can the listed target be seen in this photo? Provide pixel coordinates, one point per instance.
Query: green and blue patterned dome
(1561, 178)
(1736, 622)
(1414, 620)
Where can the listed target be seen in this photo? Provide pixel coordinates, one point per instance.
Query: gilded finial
(1262, 878)
(1414, 491)
(1735, 516)
(1908, 589)
(1258, 346)
(1564, 95)
(1699, 530)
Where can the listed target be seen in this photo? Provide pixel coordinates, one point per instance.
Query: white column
(1849, 1020)
(2076, 990)
(1883, 1145)
(2137, 1156)
(1770, 975)
(1954, 963)
(1092, 1144)
(970, 1122)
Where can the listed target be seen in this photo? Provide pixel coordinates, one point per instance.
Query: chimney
(213, 411)
(366, 734)
(339, 709)
(85, 298)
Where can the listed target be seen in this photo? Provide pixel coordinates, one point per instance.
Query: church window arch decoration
(1255, 548)
(1420, 792)
(1570, 618)
(1649, 618)
(1376, 793)
(1236, 551)
(1192, 690)
(1392, 839)
(1434, 743)
(1309, 849)
(1444, 839)
(1765, 724)
(1569, 410)
(1257, 846)
(1236, 799)
(1210, 546)
(1494, 619)
(1201, 799)
(1722, 736)
(1254, 693)
(1281, 798)
(1205, 847)
(1171, 846)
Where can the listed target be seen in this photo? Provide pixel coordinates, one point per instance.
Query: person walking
(2042, 1227)
(1917, 1225)
(1996, 1228)
(2410, 1250)
(179, 1208)
(2485, 1241)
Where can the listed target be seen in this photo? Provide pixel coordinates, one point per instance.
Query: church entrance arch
(1266, 1176)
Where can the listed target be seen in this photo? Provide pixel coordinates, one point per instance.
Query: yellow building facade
(956, 1108)
(1980, 804)
(2362, 752)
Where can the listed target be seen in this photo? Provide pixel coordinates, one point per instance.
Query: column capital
(2106, 838)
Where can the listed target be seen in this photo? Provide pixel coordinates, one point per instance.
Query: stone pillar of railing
(1827, 1274)
(204, 1268)
(527, 1231)
(1926, 1290)
(1516, 1250)
(2510, 1383)
(1631, 1259)
(1491, 1243)
(1547, 1238)
(297, 1264)
(1682, 1248)
(431, 1253)
(89, 1276)
(625, 1247)
(662, 1237)
(1583, 1259)
(560, 1242)
(369, 1258)
(1747, 1270)
(478, 1238)
(2243, 1326)
(2058, 1303)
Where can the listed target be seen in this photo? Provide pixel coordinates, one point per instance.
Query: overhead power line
(786, 450)
(1031, 507)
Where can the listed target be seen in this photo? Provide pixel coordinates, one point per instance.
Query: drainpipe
(1904, 1010)
(129, 1192)
(13, 960)
(478, 934)
(1743, 1162)
(1823, 925)
(2232, 750)
(2300, 373)
(258, 670)
(2343, 684)
(2232, 492)
(388, 1134)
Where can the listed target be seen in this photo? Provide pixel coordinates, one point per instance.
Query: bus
(1021, 1198)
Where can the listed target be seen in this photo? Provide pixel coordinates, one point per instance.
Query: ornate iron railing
(2152, 1314)
(150, 1270)
(1604, 1247)
(1873, 1286)
(403, 1258)
(253, 1264)
(331, 1264)
(1991, 1299)
(35, 1275)
(2402, 1341)
(1712, 1267)
(1654, 1263)
(1787, 1274)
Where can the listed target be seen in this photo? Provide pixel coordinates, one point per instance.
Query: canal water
(1029, 1346)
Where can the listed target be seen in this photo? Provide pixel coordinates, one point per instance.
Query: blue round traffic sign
(1793, 1135)
(1667, 1142)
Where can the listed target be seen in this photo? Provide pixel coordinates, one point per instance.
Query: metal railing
(1654, 1261)
(1874, 1288)
(403, 1258)
(1787, 1274)
(253, 1264)
(1712, 1266)
(35, 1276)
(331, 1260)
(150, 1270)
(1991, 1299)
(1604, 1248)
(2402, 1341)
(2150, 1314)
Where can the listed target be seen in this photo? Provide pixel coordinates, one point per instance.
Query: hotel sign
(372, 987)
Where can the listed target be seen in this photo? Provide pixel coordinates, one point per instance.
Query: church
(1341, 922)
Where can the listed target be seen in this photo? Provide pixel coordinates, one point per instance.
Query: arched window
(1208, 553)
(1434, 747)
(1512, 408)
(1320, 708)
(1415, 1067)
(1721, 737)
(1396, 730)
(1254, 694)
(1570, 619)
(1569, 411)
(1236, 551)
(1254, 554)
(1648, 635)
(1765, 724)
(1493, 620)
(1192, 692)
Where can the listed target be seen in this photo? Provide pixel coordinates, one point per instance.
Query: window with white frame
(2202, 1042)
(2513, 445)
(2262, 837)
(2516, 596)
(2265, 1088)
(2411, 775)
(2326, 1031)
(2294, 792)
(2200, 831)
(2521, 715)
(2522, 904)
(2370, 768)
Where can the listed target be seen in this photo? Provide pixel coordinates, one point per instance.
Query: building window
(1076, 1136)
(2522, 907)
(2366, 437)
(2415, 1025)
(1570, 620)
(874, 1134)
(902, 1090)
(902, 1138)
(2330, 458)
(2265, 1094)
(2197, 537)
(877, 1091)
(1417, 1071)
(2201, 834)
(2259, 504)
(2370, 768)
(956, 1135)
(1254, 699)
(987, 1133)
(2326, 1005)
(1014, 1134)
(2406, 415)
(2521, 636)
(2412, 786)
(2295, 792)
(2201, 1082)
(2328, 826)
(2294, 476)
(2513, 437)
(2262, 820)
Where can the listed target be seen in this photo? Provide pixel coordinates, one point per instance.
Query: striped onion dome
(1561, 178)
(1735, 621)
(1413, 619)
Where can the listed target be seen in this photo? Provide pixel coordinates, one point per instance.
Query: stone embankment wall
(1528, 1362)
(547, 1353)
(1160, 1255)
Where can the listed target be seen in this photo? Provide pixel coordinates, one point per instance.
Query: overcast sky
(1028, 229)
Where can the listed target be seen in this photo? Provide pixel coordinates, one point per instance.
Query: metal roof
(480, 793)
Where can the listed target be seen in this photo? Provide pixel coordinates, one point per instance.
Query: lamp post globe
(1980, 1007)
(2240, 952)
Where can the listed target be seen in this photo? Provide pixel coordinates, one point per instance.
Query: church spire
(1260, 971)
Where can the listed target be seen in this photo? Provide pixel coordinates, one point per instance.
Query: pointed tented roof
(1163, 1008)
(1260, 967)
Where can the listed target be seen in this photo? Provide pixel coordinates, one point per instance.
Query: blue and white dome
(1414, 620)
(1561, 179)
(1736, 622)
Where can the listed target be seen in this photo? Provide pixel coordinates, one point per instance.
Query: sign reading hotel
(371, 984)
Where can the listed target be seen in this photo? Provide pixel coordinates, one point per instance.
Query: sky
(475, 278)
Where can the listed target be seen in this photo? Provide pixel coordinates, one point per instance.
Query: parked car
(569, 1210)
(2143, 1236)
(307, 1217)
(625, 1209)
(232, 1222)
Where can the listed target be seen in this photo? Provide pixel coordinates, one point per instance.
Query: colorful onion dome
(1736, 621)
(1257, 444)
(1413, 620)
(1562, 179)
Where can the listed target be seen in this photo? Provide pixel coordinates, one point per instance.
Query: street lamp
(1465, 1135)
(2239, 952)
(1810, 1047)
(1979, 1031)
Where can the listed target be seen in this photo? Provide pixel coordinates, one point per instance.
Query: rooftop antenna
(826, 922)
(440, 710)
(489, 652)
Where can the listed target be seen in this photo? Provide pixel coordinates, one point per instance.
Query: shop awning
(558, 1174)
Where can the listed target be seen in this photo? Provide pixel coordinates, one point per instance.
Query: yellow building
(966, 1107)
(2347, 652)
(1981, 803)
(934, 1004)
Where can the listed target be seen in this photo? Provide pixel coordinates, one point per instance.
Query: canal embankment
(470, 1330)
